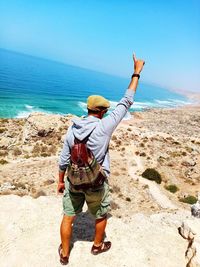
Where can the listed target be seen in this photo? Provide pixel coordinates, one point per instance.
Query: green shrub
(172, 188)
(176, 154)
(17, 151)
(27, 156)
(52, 149)
(3, 153)
(2, 130)
(4, 120)
(19, 185)
(189, 149)
(3, 161)
(36, 149)
(20, 122)
(43, 148)
(189, 200)
(118, 142)
(153, 175)
(114, 137)
(45, 154)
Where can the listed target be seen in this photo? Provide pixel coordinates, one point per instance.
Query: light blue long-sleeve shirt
(99, 139)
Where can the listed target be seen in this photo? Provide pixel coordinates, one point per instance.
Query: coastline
(136, 107)
(40, 137)
(194, 96)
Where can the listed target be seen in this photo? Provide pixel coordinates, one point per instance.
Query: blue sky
(102, 35)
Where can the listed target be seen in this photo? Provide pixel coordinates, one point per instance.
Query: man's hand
(138, 64)
(60, 188)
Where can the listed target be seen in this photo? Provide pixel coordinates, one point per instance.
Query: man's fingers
(134, 58)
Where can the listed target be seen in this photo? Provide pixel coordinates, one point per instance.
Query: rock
(195, 209)
(188, 163)
(27, 224)
(41, 124)
(190, 230)
(6, 186)
(48, 182)
(4, 142)
(43, 132)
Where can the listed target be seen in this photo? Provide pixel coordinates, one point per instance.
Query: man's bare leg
(99, 244)
(100, 226)
(66, 233)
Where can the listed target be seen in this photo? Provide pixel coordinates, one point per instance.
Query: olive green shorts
(98, 200)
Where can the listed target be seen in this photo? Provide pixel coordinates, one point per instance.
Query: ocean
(30, 84)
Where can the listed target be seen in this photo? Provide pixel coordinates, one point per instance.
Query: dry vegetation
(165, 141)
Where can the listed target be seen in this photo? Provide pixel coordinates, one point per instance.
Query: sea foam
(28, 109)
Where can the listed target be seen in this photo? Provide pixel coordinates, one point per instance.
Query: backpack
(84, 171)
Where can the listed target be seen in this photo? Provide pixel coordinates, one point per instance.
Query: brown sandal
(63, 260)
(105, 246)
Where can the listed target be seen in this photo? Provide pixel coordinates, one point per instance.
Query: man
(99, 130)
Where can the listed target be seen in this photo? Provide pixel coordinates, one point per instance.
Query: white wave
(29, 110)
(113, 104)
(182, 102)
(128, 116)
(156, 103)
(136, 104)
(23, 114)
(143, 103)
(28, 106)
(83, 106)
(163, 102)
(172, 102)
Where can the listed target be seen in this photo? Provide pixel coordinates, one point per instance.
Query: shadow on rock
(84, 228)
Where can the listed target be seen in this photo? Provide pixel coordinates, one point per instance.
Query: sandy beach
(145, 215)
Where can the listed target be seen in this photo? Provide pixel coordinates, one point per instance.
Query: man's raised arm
(110, 122)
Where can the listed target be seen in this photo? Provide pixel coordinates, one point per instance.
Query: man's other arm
(63, 163)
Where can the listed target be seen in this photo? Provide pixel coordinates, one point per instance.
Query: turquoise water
(29, 84)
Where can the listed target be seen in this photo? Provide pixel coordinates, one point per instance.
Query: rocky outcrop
(190, 230)
(39, 124)
(195, 209)
(5, 142)
(29, 236)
